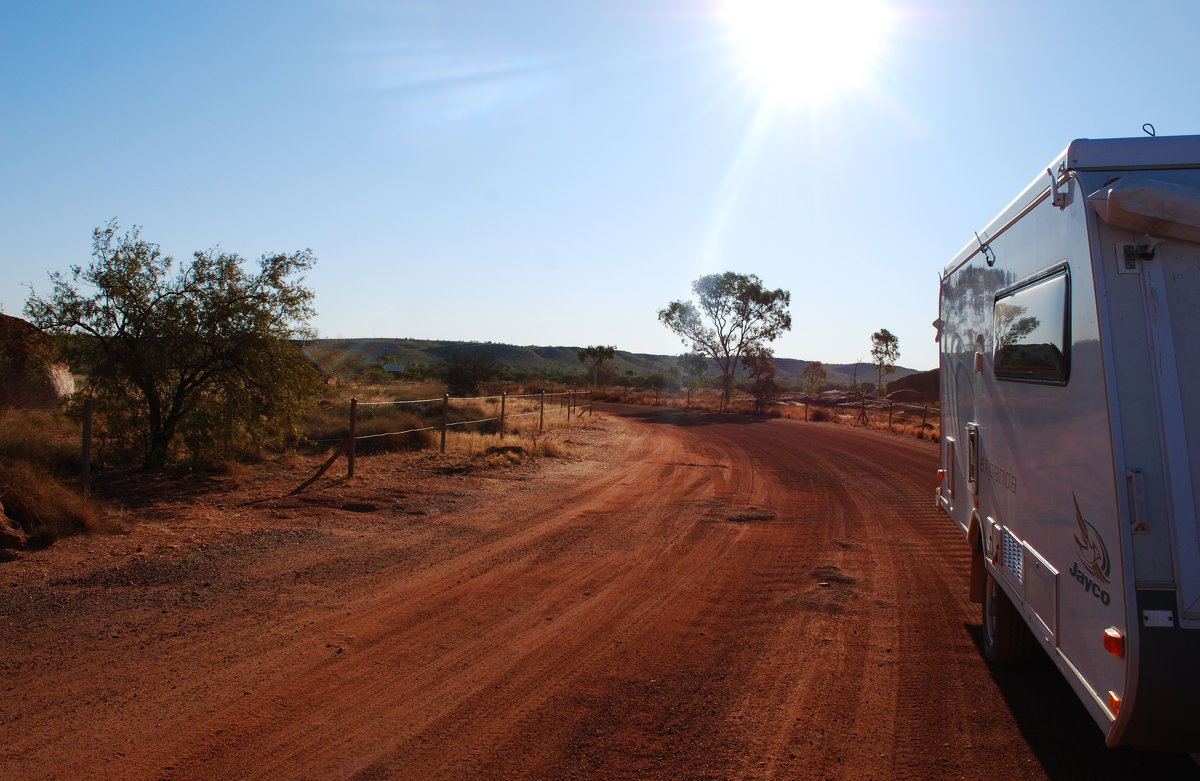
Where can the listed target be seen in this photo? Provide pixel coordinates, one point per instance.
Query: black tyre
(1007, 641)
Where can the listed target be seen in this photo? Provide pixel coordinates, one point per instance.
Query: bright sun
(804, 51)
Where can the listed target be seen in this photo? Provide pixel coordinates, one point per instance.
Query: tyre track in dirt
(503, 672)
(821, 658)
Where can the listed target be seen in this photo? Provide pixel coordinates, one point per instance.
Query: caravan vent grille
(1013, 555)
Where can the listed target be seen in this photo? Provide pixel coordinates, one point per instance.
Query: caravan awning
(1150, 206)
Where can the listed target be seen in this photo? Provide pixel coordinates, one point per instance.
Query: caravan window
(1033, 321)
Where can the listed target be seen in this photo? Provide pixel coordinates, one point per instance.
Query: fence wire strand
(389, 403)
(446, 426)
(469, 422)
(394, 433)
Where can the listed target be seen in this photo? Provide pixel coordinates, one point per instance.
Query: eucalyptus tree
(815, 376)
(594, 357)
(733, 314)
(885, 351)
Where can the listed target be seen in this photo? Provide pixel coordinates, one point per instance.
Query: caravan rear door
(1172, 288)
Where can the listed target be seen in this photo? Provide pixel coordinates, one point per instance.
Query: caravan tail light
(1114, 703)
(941, 474)
(1114, 642)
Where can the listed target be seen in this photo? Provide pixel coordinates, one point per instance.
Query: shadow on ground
(1063, 736)
(673, 416)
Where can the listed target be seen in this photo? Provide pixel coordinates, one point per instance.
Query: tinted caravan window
(1033, 339)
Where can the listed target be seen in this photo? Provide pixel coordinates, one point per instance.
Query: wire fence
(920, 420)
(572, 403)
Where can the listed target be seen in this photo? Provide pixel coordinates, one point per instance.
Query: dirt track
(693, 597)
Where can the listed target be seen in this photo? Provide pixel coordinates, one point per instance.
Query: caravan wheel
(1006, 639)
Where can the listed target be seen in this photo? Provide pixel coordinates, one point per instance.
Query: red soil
(688, 597)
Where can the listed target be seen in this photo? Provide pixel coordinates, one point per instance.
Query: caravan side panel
(1046, 492)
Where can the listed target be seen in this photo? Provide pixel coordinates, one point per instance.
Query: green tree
(201, 350)
(885, 351)
(467, 371)
(759, 363)
(814, 376)
(657, 382)
(594, 357)
(693, 367)
(734, 314)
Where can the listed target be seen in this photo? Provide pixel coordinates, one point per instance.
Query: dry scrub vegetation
(401, 416)
(40, 452)
(40, 459)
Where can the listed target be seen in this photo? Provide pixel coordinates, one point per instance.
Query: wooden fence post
(353, 430)
(503, 399)
(445, 405)
(541, 410)
(337, 453)
(86, 466)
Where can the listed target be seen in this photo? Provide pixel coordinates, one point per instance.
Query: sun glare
(804, 51)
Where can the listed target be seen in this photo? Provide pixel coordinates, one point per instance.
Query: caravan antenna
(988, 255)
(1148, 129)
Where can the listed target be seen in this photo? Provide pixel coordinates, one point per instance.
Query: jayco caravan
(1069, 333)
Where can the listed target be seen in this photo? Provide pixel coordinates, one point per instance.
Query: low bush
(374, 376)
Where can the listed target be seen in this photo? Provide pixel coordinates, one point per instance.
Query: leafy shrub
(374, 376)
(468, 370)
(213, 363)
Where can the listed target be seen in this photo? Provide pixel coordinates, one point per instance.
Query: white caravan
(1070, 373)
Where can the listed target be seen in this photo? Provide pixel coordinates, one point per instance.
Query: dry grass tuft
(506, 455)
(41, 506)
(37, 449)
(472, 444)
(40, 437)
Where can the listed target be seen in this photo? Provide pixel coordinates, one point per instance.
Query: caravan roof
(1116, 154)
(1086, 154)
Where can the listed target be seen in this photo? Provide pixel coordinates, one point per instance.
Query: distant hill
(349, 356)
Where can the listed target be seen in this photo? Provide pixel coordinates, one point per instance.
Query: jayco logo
(1093, 568)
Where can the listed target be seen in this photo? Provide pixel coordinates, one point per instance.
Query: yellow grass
(41, 437)
(473, 425)
(44, 508)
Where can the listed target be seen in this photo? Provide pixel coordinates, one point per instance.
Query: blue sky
(553, 173)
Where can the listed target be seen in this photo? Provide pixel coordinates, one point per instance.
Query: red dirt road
(690, 597)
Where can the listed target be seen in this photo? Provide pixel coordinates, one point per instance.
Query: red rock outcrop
(31, 374)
